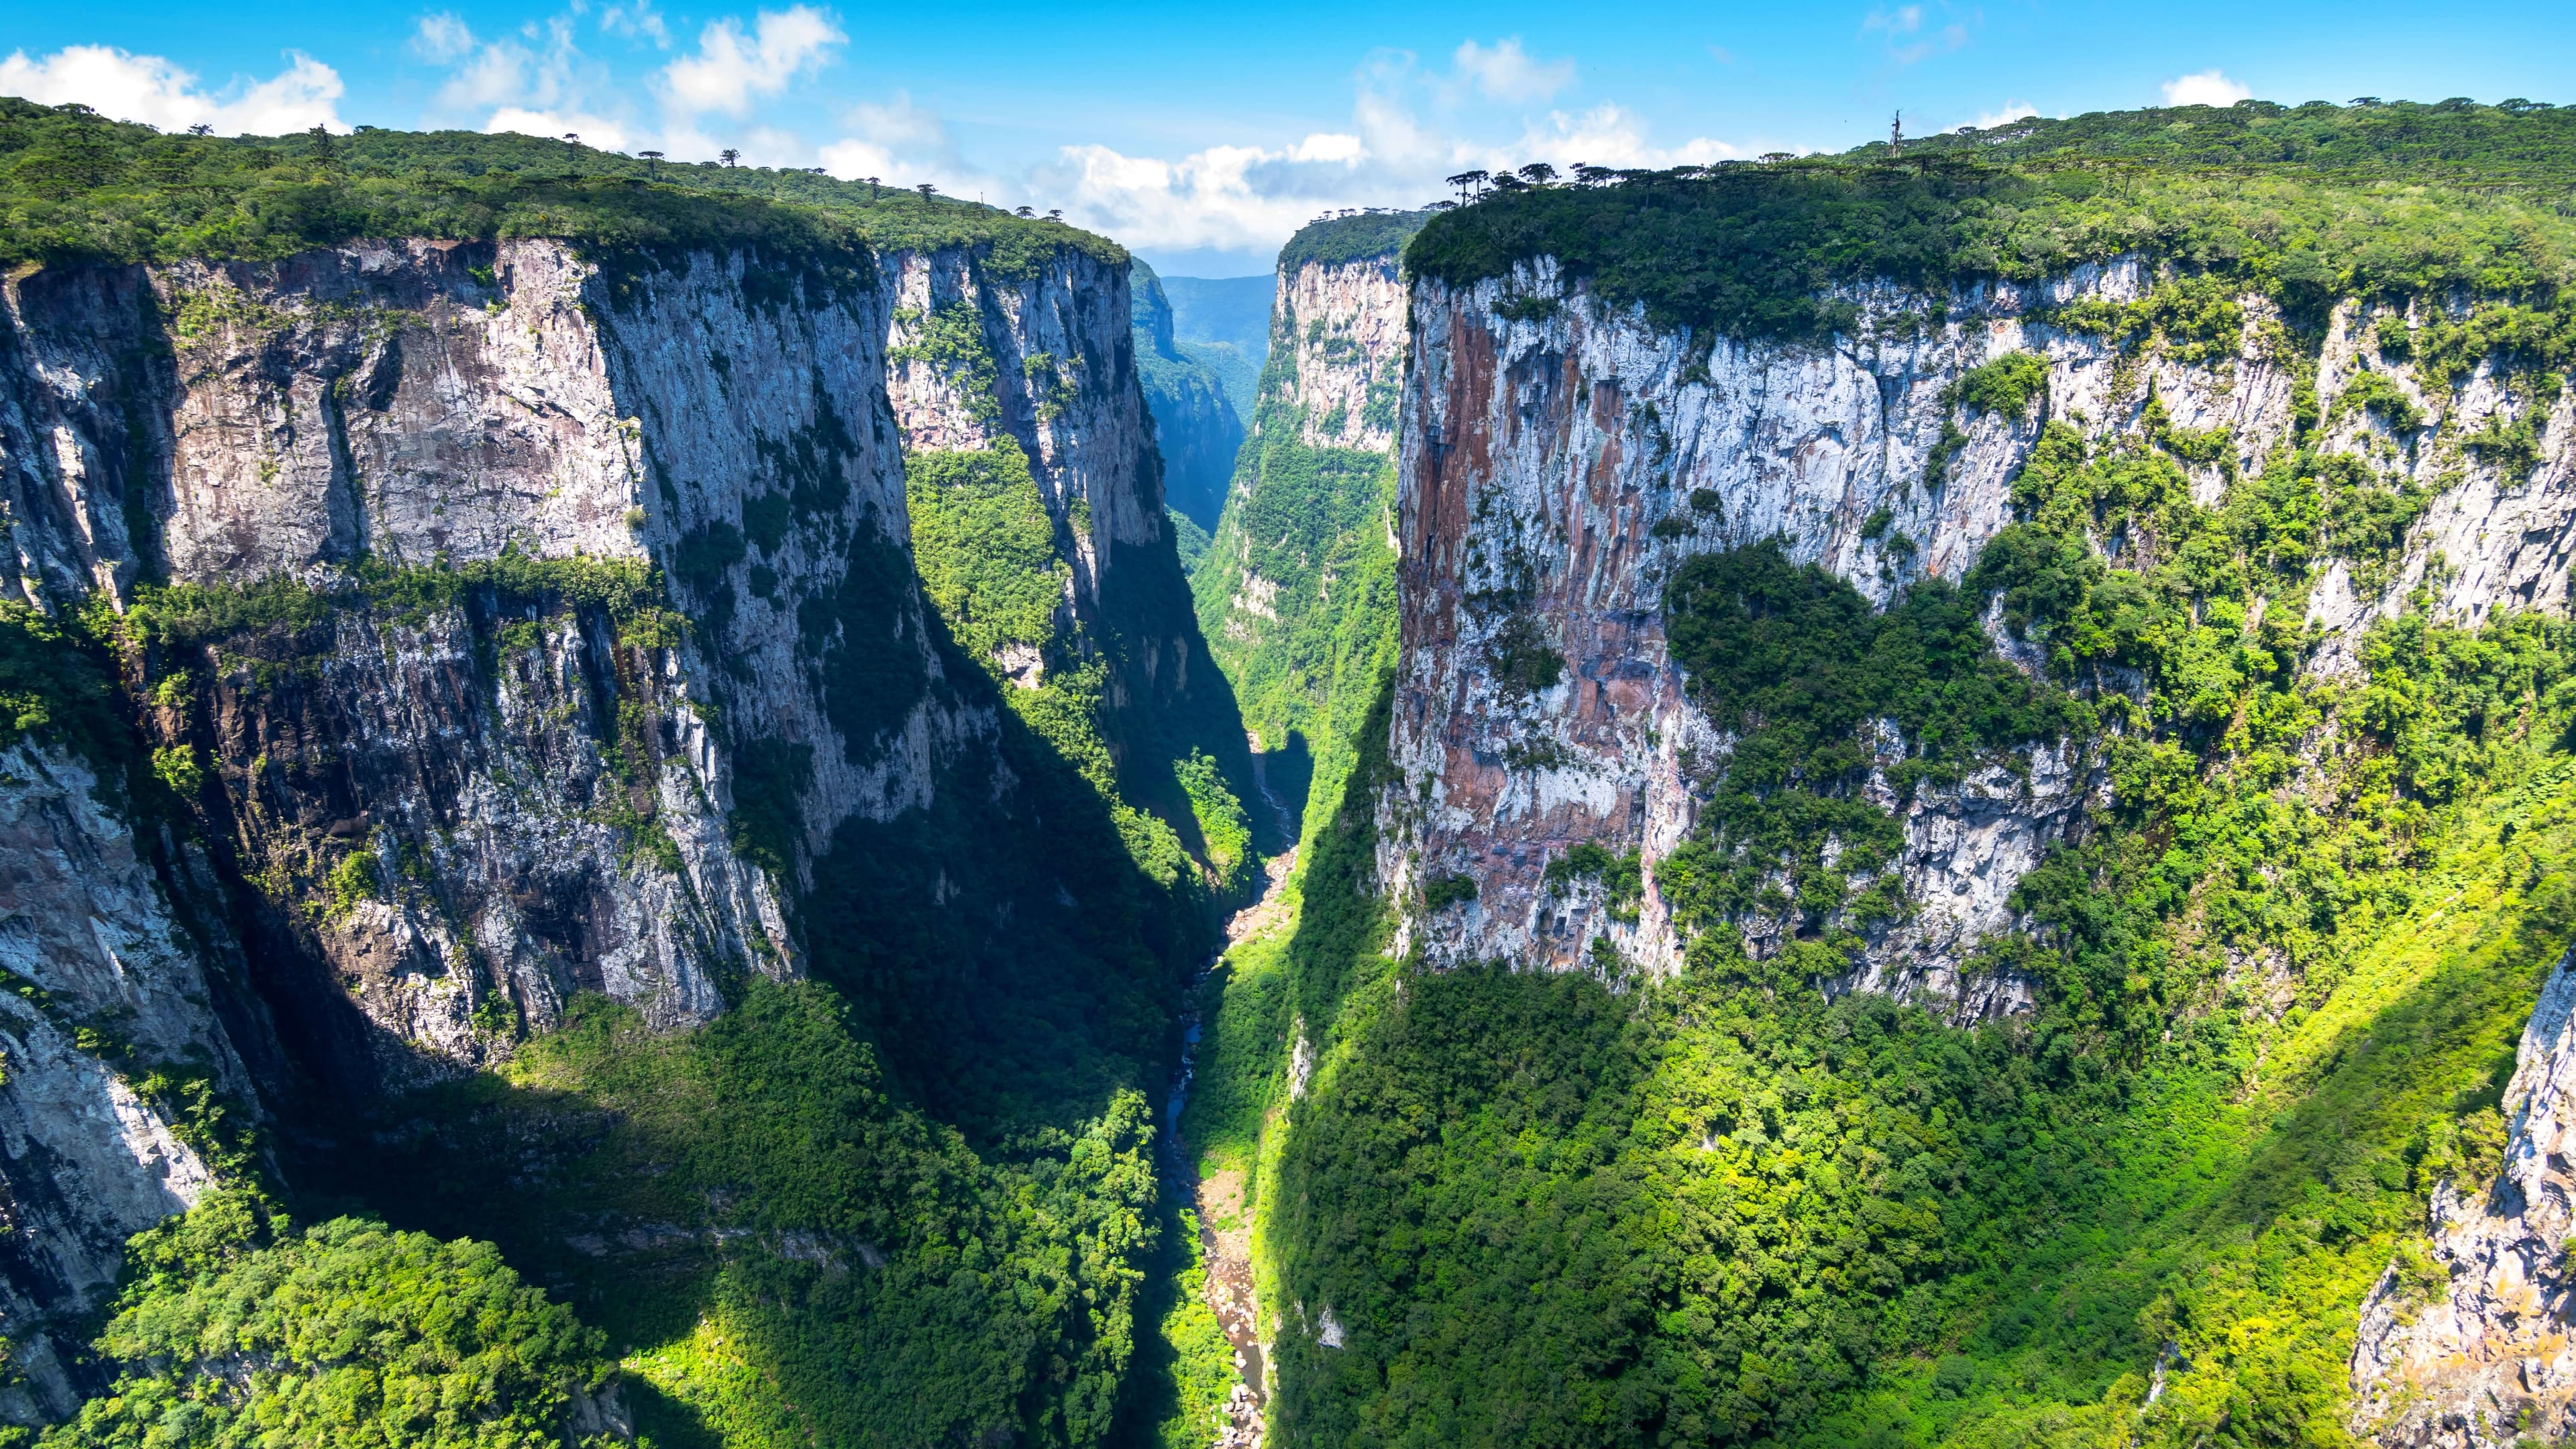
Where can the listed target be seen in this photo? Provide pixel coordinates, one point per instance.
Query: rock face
(2479, 1352)
(108, 964)
(1560, 459)
(538, 622)
(1048, 362)
(1342, 327)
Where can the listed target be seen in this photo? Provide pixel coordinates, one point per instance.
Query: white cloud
(729, 69)
(2012, 111)
(2207, 88)
(152, 90)
(1249, 198)
(1328, 146)
(1904, 20)
(542, 68)
(539, 80)
(441, 39)
(1607, 135)
(1505, 72)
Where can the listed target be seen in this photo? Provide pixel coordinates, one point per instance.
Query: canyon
(697, 762)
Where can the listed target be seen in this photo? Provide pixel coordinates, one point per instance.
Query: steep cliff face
(1296, 595)
(114, 972)
(1560, 460)
(1342, 326)
(1041, 374)
(512, 623)
(2471, 1348)
(526, 773)
(1195, 423)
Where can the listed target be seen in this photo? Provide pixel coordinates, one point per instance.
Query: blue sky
(1202, 135)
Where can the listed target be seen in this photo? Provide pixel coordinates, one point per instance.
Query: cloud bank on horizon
(1488, 104)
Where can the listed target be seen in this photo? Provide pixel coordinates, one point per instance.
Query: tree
(572, 138)
(925, 188)
(323, 150)
(1470, 180)
(1538, 173)
(1024, 211)
(201, 129)
(729, 155)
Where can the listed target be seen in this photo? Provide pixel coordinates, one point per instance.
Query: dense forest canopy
(2303, 205)
(75, 186)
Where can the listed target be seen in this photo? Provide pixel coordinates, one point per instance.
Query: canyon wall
(1295, 594)
(1561, 458)
(1195, 423)
(504, 623)
(1341, 325)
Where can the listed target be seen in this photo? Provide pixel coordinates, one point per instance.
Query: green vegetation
(1223, 829)
(52, 688)
(2396, 200)
(1184, 1367)
(1359, 237)
(951, 340)
(1195, 423)
(824, 1260)
(76, 187)
(1297, 593)
(2383, 399)
(186, 615)
(232, 1329)
(985, 547)
(2278, 976)
(2006, 385)
(1795, 659)
(1721, 1209)
(1621, 878)
(1188, 539)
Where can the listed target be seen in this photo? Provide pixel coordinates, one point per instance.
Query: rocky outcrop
(2474, 1352)
(1047, 361)
(1560, 458)
(1292, 594)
